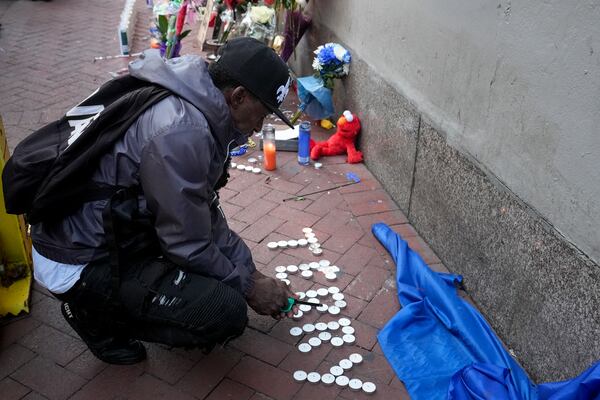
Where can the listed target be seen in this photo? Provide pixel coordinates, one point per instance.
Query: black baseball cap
(259, 69)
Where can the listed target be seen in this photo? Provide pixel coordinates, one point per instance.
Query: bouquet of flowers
(168, 32)
(296, 24)
(315, 92)
(331, 61)
(226, 18)
(258, 23)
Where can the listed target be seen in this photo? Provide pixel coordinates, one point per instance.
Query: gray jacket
(174, 155)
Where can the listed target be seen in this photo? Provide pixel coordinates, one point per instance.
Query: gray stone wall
(515, 84)
(540, 294)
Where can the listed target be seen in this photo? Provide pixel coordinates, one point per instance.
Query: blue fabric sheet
(442, 348)
(315, 99)
(586, 386)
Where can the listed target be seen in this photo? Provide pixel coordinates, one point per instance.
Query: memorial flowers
(261, 14)
(331, 61)
(168, 32)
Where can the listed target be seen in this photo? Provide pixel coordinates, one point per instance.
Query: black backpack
(48, 175)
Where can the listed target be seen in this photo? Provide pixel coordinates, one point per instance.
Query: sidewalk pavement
(46, 59)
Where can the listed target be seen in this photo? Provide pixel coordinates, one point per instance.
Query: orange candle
(270, 159)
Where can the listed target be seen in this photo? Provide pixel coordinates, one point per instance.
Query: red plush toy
(341, 142)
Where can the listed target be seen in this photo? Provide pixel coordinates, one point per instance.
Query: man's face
(247, 111)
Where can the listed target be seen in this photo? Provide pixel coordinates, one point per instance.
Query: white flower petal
(339, 52)
(316, 65)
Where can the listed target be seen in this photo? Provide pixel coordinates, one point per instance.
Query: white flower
(261, 14)
(301, 3)
(318, 49)
(316, 64)
(339, 52)
(346, 69)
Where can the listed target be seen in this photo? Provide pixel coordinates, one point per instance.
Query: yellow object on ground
(326, 124)
(15, 252)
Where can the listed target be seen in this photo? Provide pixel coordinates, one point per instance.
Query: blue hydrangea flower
(332, 61)
(327, 55)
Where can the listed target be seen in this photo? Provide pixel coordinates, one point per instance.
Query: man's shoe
(110, 349)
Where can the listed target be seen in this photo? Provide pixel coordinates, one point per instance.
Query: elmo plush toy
(342, 141)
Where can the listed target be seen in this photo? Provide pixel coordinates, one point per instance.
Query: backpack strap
(130, 234)
(114, 253)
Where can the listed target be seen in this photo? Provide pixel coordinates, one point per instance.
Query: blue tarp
(442, 348)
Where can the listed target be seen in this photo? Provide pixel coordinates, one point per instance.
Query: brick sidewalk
(41, 357)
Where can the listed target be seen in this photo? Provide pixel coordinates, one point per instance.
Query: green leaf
(184, 34)
(163, 24)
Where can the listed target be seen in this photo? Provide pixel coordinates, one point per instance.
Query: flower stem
(296, 116)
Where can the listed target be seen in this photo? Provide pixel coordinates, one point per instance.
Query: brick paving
(46, 64)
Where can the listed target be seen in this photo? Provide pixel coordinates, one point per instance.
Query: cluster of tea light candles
(337, 332)
(310, 239)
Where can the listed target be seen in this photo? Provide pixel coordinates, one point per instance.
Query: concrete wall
(482, 122)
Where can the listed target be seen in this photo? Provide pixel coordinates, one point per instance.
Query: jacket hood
(188, 77)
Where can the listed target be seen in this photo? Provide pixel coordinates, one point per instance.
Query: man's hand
(268, 296)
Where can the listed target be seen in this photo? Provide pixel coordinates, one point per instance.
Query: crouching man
(159, 263)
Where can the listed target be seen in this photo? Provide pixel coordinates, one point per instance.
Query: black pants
(160, 303)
